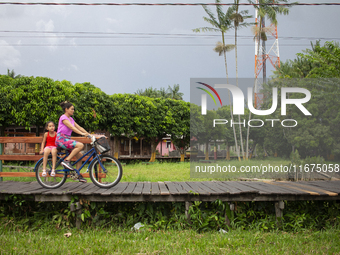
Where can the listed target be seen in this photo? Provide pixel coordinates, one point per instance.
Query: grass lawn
(108, 241)
(171, 171)
(48, 239)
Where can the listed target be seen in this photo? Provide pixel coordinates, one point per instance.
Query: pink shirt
(62, 128)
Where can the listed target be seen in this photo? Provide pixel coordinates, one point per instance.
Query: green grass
(181, 171)
(109, 241)
(49, 239)
(156, 172)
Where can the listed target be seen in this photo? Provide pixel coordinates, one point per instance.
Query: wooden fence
(25, 157)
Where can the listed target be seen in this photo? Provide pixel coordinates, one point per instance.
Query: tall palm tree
(265, 9)
(239, 17)
(221, 24)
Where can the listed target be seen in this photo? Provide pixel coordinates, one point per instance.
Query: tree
(220, 24)
(131, 116)
(93, 106)
(12, 74)
(36, 100)
(148, 92)
(202, 130)
(265, 8)
(318, 67)
(238, 18)
(224, 113)
(6, 89)
(179, 129)
(170, 92)
(313, 134)
(173, 92)
(318, 62)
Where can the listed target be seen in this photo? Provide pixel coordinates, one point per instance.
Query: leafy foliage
(18, 213)
(34, 101)
(170, 92)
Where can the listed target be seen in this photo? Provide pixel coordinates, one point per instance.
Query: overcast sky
(121, 49)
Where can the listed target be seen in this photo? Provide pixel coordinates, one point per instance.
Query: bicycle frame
(93, 153)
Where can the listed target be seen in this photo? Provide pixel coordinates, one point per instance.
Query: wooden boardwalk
(179, 191)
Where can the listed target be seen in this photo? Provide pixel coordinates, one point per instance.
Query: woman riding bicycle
(65, 127)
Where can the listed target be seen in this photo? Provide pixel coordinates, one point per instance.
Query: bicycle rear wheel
(48, 181)
(107, 172)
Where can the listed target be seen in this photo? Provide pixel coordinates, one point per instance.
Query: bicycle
(100, 167)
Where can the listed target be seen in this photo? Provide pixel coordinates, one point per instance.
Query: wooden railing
(24, 157)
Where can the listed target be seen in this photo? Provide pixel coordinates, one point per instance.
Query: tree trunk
(239, 117)
(231, 108)
(153, 150)
(116, 146)
(182, 157)
(207, 151)
(228, 151)
(257, 54)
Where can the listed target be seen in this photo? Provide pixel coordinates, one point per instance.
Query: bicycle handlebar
(92, 137)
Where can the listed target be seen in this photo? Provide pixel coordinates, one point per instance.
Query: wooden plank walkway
(179, 191)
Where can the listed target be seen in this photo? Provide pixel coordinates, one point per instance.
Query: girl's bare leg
(47, 152)
(54, 157)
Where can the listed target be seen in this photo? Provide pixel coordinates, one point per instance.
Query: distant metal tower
(261, 57)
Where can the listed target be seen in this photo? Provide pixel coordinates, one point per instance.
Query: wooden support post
(77, 208)
(99, 173)
(231, 208)
(279, 206)
(187, 214)
(1, 147)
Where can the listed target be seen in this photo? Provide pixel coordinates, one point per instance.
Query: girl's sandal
(43, 173)
(53, 173)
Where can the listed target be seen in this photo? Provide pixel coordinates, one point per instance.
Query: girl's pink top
(62, 128)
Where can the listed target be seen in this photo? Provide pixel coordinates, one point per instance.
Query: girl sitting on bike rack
(65, 127)
(48, 146)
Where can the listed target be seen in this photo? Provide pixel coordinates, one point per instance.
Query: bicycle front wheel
(48, 181)
(106, 172)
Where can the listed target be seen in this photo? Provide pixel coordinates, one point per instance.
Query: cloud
(74, 67)
(112, 21)
(45, 26)
(70, 68)
(9, 56)
(51, 38)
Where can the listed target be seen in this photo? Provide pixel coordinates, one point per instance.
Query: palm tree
(163, 93)
(174, 92)
(148, 92)
(12, 74)
(238, 18)
(221, 24)
(265, 8)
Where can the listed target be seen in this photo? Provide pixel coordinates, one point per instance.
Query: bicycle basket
(102, 145)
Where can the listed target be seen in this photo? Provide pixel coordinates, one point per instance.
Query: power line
(166, 4)
(132, 45)
(108, 35)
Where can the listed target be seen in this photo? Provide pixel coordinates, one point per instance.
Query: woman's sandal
(52, 173)
(43, 173)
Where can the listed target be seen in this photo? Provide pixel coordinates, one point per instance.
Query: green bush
(18, 212)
